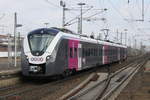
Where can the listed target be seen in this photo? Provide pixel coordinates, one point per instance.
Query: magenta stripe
(106, 56)
(73, 61)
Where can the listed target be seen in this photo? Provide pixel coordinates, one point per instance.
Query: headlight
(27, 57)
(50, 58)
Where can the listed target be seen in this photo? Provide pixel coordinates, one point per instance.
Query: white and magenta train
(55, 51)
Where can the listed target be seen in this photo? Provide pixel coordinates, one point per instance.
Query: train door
(73, 54)
(105, 54)
(79, 56)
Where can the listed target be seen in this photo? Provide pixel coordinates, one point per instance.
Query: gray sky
(120, 15)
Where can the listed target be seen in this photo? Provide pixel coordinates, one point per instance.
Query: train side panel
(91, 55)
(61, 62)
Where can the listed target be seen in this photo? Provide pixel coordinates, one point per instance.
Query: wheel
(67, 73)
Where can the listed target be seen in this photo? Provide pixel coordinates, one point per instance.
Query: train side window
(94, 52)
(89, 52)
(75, 52)
(86, 52)
(83, 52)
(99, 52)
(66, 54)
(71, 53)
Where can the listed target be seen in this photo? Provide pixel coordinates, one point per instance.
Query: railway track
(109, 87)
(9, 77)
(9, 74)
(52, 89)
(23, 91)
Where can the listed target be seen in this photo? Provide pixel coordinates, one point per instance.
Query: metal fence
(7, 51)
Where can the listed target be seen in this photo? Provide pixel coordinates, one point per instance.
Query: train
(58, 51)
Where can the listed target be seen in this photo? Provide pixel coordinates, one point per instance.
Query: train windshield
(39, 41)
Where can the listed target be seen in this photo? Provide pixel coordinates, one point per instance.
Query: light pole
(81, 4)
(15, 39)
(9, 49)
(121, 37)
(125, 36)
(15, 42)
(105, 33)
(142, 10)
(63, 4)
(117, 35)
(46, 24)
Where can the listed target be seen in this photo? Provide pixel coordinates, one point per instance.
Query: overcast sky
(32, 14)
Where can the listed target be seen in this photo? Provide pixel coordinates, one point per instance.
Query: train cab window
(75, 52)
(71, 53)
(40, 39)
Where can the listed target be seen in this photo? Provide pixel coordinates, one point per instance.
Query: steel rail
(99, 83)
(27, 90)
(111, 92)
(9, 74)
(133, 64)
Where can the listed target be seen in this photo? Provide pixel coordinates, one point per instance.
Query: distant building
(4, 42)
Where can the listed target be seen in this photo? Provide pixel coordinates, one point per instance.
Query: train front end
(39, 52)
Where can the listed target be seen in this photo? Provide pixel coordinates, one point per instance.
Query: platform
(5, 67)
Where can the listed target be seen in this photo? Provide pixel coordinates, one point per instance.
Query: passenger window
(66, 54)
(75, 52)
(83, 52)
(86, 52)
(89, 52)
(94, 52)
(71, 53)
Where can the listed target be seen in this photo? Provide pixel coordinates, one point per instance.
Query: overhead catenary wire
(95, 14)
(54, 5)
(136, 24)
(78, 16)
(123, 16)
(86, 17)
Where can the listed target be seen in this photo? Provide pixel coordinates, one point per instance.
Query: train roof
(66, 33)
(72, 35)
